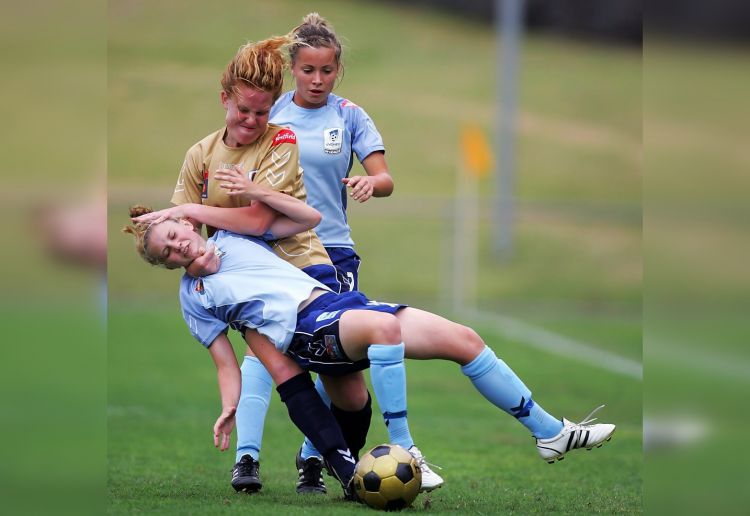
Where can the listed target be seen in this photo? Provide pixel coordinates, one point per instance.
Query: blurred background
(630, 163)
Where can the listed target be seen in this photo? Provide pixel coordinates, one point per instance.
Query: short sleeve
(365, 136)
(190, 181)
(203, 325)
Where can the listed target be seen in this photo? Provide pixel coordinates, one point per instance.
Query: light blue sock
(251, 411)
(499, 384)
(308, 450)
(388, 377)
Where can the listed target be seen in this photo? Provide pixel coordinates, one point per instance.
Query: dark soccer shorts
(316, 345)
(347, 264)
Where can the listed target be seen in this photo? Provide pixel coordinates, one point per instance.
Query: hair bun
(138, 210)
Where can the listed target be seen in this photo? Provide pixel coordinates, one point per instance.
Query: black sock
(354, 425)
(308, 412)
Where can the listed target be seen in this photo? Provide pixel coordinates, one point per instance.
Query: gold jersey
(272, 161)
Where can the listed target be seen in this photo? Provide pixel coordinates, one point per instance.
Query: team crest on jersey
(332, 140)
(199, 286)
(204, 192)
(284, 136)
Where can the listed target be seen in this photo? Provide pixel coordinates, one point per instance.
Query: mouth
(316, 92)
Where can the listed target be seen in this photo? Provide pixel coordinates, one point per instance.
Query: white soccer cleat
(430, 479)
(575, 435)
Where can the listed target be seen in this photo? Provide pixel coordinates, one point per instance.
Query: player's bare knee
(471, 340)
(387, 330)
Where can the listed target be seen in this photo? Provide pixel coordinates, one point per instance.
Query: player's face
(175, 244)
(314, 71)
(247, 115)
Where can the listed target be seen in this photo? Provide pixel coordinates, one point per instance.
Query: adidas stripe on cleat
(310, 472)
(574, 436)
(245, 475)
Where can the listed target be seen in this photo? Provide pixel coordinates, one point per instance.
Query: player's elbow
(315, 217)
(385, 188)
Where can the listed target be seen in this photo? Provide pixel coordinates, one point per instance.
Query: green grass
(163, 401)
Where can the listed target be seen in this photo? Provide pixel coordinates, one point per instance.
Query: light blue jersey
(253, 288)
(327, 138)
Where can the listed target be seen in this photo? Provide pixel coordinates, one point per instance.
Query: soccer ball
(387, 477)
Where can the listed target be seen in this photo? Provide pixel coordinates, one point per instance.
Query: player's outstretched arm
(230, 380)
(247, 220)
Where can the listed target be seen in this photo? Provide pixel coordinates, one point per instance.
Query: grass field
(163, 401)
(576, 270)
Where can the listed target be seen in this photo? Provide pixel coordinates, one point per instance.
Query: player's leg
(309, 461)
(351, 405)
(306, 410)
(352, 409)
(250, 418)
(356, 329)
(430, 336)
(377, 336)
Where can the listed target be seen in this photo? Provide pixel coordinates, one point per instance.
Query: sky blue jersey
(253, 288)
(326, 137)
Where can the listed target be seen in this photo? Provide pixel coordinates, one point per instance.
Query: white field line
(707, 363)
(545, 340)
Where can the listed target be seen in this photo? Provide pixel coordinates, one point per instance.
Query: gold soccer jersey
(273, 161)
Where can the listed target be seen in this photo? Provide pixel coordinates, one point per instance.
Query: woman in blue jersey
(297, 322)
(331, 131)
(420, 334)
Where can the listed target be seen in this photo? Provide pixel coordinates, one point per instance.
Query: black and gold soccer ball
(387, 477)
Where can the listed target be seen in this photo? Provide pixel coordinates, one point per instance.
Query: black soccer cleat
(245, 475)
(310, 475)
(350, 492)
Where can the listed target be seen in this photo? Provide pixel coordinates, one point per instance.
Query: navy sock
(314, 419)
(354, 425)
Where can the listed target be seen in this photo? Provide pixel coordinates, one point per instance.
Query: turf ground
(576, 270)
(163, 401)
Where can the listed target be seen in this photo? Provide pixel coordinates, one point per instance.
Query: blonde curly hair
(260, 65)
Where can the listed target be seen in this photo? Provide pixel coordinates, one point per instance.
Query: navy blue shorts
(316, 345)
(347, 263)
(328, 275)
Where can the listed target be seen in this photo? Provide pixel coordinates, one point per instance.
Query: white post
(508, 26)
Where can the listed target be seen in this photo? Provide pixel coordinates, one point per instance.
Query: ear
(224, 99)
(187, 223)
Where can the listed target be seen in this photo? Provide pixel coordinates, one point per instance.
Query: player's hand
(175, 212)
(236, 183)
(207, 263)
(223, 428)
(362, 187)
